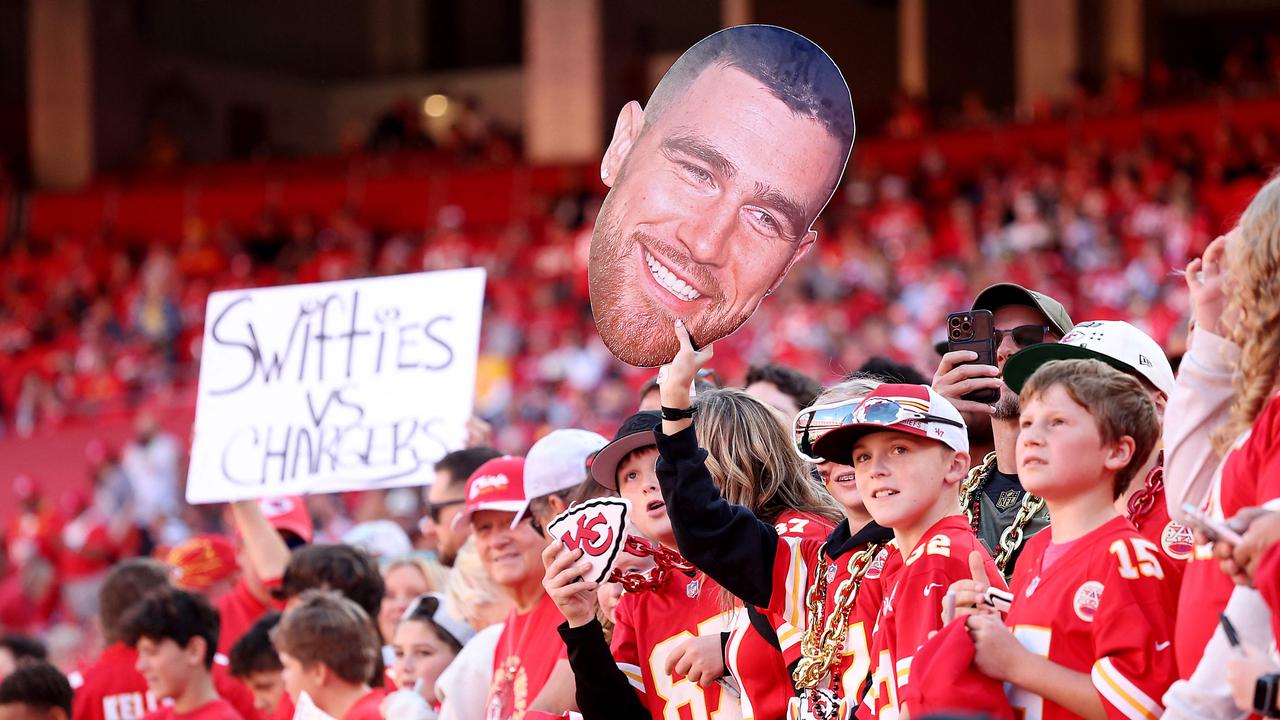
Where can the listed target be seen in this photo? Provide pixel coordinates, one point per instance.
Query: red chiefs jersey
(1175, 540)
(368, 707)
(527, 650)
(652, 623)
(238, 610)
(112, 689)
(1105, 608)
(217, 710)
(913, 607)
(794, 566)
(1250, 476)
(759, 668)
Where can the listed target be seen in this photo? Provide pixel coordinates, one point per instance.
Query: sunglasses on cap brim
(816, 420)
(885, 411)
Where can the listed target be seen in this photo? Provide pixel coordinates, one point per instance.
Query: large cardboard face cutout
(714, 188)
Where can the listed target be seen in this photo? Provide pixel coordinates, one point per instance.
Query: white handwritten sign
(348, 385)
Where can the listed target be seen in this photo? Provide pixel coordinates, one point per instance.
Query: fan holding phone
(1004, 319)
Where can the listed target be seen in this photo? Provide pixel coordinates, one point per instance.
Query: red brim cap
(289, 513)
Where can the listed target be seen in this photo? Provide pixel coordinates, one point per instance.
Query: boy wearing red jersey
(176, 635)
(1133, 352)
(328, 647)
(655, 624)
(111, 687)
(909, 450)
(1092, 614)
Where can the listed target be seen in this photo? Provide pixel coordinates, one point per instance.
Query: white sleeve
(1206, 693)
(1199, 405)
(463, 687)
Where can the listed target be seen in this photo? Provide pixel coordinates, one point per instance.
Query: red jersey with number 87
(1103, 607)
(650, 625)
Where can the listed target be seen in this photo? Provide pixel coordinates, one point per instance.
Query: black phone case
(973, 331)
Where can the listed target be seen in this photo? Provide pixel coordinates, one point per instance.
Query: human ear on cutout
(625, 133)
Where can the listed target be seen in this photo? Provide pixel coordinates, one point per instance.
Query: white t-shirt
(463, 687)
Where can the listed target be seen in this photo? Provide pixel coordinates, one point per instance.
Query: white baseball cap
(558, 462)
(1115, 342)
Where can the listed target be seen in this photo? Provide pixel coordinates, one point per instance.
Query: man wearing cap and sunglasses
(1002, 514)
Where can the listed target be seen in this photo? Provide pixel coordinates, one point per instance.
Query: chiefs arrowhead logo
(598, 528)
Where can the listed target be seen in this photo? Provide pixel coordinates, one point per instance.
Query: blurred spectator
(151, 462)
(36, 691)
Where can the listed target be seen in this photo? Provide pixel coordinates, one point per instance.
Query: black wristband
(1265, 692)
(670, 413)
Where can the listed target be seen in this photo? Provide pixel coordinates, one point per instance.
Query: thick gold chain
(1014, 535)
(823, 640)
(972, 484)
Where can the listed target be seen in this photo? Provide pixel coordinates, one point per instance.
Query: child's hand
(563, 581)
(969, 592)
(701, 659)
(675, 378)
(996, 651)
(1243, 674)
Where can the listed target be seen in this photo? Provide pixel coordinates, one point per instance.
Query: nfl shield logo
(1007, 499)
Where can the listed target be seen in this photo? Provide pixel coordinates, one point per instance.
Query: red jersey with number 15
(1104, 607)
(913, 608)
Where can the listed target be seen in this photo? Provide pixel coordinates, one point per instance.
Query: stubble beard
(1007, 407)
(633, 327)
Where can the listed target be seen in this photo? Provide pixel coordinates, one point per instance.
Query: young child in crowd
(35, 690)
(909, 451)
(255, 663)
(176, 635)
(1091, 624)
(329, 647)
(425, 641)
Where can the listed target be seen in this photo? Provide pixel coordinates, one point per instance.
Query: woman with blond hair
(1222, 447)
(822, 593)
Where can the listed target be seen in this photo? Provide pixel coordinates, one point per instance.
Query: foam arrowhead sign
(598, 528)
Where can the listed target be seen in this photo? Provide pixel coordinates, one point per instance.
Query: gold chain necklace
(971, 504)
(823, 639)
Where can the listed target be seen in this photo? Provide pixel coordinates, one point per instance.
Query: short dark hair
(23, 647)
(789, 65)
(125, 585)
(886, 370)
(791, 382)
(39, 685)
(460, 464)
(177, 615)
(253, 652)
(343, 568)
(330, 629)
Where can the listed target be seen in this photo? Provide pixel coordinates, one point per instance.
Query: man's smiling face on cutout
(711, 203)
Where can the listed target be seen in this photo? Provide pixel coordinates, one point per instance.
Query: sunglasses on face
(434, 510)
(815, 421)
(1023, 335)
